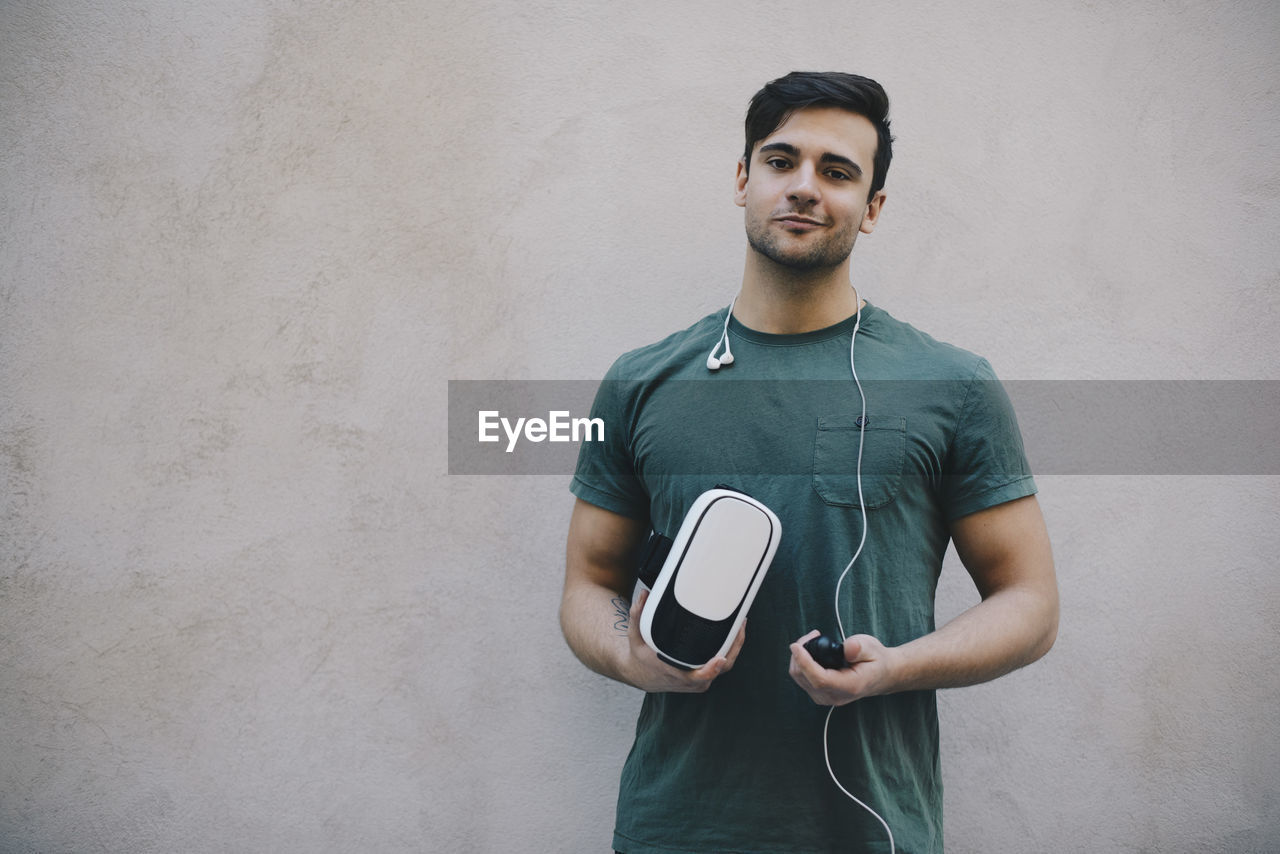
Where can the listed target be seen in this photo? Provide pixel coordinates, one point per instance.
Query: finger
(797, 646)
(637, 605)
(856, 648)
(796, 674)
(815, 679)
(634, 636)
(801, 678)
(803, 668)
(706, 674)
(732, 655)
(801, 655)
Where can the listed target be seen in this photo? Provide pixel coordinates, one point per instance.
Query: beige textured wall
(243, 245)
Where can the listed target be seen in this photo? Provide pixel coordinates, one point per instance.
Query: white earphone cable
(862, 428)
(826, 754)
(862, 505)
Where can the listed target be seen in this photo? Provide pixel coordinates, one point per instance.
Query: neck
(783, 301)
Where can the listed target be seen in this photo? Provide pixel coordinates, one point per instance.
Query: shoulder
(918, 355)
(677, 353)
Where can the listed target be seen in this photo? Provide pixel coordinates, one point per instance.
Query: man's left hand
(869, 672)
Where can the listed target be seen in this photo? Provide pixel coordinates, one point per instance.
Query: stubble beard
(825, 254)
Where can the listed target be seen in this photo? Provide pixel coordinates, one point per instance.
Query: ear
(740, 185)
(872, 214)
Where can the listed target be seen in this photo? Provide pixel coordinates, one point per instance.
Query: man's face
(805, 194)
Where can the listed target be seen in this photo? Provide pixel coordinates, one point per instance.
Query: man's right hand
(650, 673)
(600, 559)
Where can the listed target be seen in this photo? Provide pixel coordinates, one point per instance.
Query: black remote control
(827, 652)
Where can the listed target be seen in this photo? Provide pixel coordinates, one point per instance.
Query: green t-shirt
(741, 768)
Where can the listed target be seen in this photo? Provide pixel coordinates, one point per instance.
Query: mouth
(797, 221)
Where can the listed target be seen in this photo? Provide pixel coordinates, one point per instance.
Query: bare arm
(1006, 551)
(599, 622)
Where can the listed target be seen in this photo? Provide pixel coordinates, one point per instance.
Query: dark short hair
(779, 98)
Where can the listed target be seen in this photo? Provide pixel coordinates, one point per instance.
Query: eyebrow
(827, 156)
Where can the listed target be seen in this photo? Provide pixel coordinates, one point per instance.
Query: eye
(838, 175)
(777, 162)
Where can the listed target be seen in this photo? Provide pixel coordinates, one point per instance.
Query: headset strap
(652, 557)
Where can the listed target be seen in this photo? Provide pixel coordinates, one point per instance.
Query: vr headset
(703, 581)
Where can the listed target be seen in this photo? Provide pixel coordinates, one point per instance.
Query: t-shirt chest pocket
(835, 459)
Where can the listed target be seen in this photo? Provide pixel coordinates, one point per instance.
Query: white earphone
(713, 364)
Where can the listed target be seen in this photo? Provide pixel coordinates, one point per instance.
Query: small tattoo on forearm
(622, 615)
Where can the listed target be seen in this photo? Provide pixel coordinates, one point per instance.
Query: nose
(804, 186)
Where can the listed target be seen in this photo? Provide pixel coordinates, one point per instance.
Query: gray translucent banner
(1089, 427)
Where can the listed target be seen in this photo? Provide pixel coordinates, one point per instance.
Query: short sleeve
(986, 464)
(605, 475)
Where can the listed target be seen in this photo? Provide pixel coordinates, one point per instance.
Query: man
(730, 757)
